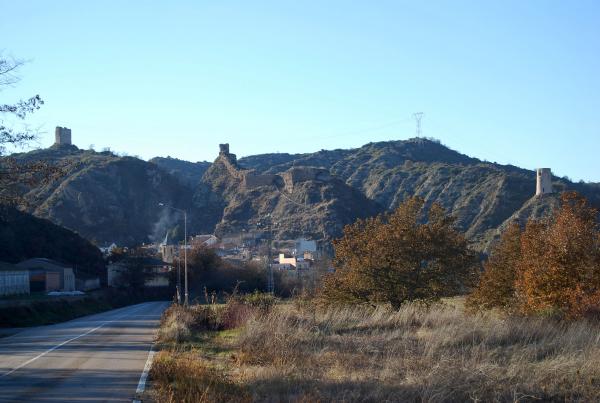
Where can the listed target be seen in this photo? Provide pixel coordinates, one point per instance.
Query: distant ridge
(109, 198)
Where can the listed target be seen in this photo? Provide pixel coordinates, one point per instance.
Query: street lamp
(185, 301)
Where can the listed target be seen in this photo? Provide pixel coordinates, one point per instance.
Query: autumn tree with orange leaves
(496, 287)
(413, 253)
(556, 270)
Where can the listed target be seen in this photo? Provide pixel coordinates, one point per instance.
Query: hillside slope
(297, 203)
(24, 236)
(481, 195)
(187, 173)
(107, 198)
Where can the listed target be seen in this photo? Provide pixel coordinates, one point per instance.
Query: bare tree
(14, 174)
(20, 109)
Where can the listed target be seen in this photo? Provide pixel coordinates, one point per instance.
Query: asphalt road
(91, 359)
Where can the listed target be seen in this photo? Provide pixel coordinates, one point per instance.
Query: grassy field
(296, 353)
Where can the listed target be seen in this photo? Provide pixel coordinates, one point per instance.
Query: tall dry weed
(434, 354)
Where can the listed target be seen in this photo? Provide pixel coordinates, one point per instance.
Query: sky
(513, 82)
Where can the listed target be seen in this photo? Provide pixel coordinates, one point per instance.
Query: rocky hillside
(481, 195)
(106, 198)
(297, 203)
(187, 173)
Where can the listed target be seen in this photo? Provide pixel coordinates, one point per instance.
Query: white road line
(65, 342)
(142, 383)
(144, 377)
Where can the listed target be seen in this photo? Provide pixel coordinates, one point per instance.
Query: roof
(146, 261)
(42, 263)
(10, 267)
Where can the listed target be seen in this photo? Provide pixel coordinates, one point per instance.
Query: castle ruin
(544, 181)
(250, 179)
(62, 136)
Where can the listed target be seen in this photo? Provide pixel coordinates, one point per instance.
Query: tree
(552, 267)
(559, 271)
(136, 269)
(496, 288)
(413, 253)
(14, 174)
(19, 109)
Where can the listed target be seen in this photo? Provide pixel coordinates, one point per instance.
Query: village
(163, 260)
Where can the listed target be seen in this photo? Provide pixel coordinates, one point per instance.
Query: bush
(239, 309)
(552, 267)
(411, 254)
(185, 378)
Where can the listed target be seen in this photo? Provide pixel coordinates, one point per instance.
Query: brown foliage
(496, 287)
(556, 270)
(410, 254)
(560, 267)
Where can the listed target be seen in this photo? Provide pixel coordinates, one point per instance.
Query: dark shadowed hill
(187, 173)
(24, 236)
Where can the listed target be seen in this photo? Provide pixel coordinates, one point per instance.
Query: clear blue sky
(512, 81)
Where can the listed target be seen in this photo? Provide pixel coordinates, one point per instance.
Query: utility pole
(270, 281)
(186, 298)
(186, 301)
(178, 278)
(418, 116)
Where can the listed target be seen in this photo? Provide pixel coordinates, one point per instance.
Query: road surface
(91, 359)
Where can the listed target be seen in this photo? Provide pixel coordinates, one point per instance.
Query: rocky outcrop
(106, 198)
(299, 202)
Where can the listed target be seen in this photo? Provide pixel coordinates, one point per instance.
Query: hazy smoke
(167, 220)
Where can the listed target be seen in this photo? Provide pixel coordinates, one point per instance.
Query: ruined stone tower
(544, 181)
(62, 136)
(224, 148)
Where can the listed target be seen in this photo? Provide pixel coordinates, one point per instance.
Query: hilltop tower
(62, 136)
(544, 181)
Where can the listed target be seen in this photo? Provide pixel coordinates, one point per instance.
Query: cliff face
(299, 202)
(481, 195)
(106, 198)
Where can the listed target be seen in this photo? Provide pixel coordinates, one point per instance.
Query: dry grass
(416, 354)
(298, 354)
(188, 378)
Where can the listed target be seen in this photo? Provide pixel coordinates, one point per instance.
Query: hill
(302, 201)
(107, 198)
(481, 195)
(24, 236)
(187, 173)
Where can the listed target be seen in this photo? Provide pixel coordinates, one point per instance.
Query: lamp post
(186, 299)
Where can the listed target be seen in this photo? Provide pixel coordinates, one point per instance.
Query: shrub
(496, 288)
(554, 265)
(186, 378)
(411, 254)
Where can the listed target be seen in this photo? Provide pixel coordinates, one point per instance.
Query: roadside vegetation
(396, 326)
(50, 310)
(298, 352)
